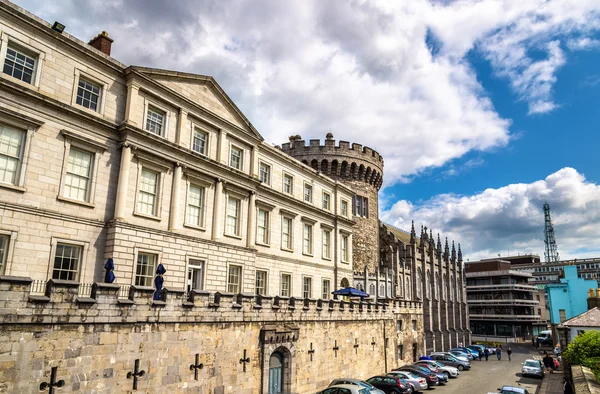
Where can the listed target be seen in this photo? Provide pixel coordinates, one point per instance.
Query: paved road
(484, 377)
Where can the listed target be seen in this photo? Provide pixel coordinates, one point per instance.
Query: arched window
(452, 288)
(444, 288)
(345, 283)
(359, 286)
(401, 286)
(382, 291)
(407, 290)
(459, 290)
(419, 284)
(372, 290)
(428, 284)
(436, 288)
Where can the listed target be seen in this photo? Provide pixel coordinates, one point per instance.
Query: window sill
(233, 236)
(73, 201)
(263, 244)
(288, 250)
(345, 262)
(16, 188)
(87, 110)
(307, 254)
(145, 215)
(326, 258)
(193, 226)
(32, 86)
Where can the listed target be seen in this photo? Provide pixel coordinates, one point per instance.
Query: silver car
(370, 389)
(458, 355)
(344, 389)
(533, 368)
(448, 370)
(418, 383)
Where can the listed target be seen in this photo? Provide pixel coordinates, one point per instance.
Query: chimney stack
(102, 42)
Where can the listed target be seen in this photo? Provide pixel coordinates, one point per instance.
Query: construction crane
(551, 254)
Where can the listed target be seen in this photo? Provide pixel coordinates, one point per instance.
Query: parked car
(545, 338)
(512, 390)
(344, 389)
(449, 371)
(391, 384)
(461, 353)
(431, 378)
(427, 368)
(477, 349)
(481, 347)
(417, 382)
(451, 360)
(533, 368)
(357, 382)
(473, 352)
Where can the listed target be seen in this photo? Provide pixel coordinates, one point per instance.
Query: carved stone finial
(460, 259)
(453, 252)
(329, 136)
(439, 244)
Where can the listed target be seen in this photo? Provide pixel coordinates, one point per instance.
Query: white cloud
(583, 43)
(357, 68)
(511, 219)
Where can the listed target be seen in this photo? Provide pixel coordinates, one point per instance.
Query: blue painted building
(568, 298)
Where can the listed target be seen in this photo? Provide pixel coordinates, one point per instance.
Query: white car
(451, 372)
(418, 383)
(358, 383)
(344, 389)
(533, 368)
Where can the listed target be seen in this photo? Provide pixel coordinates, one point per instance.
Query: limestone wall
(95, 341)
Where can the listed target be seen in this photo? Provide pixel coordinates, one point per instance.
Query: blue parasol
(351, 292)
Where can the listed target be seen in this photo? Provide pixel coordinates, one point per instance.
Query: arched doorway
(276, 373)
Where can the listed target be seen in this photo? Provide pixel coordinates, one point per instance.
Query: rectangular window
(356, 207)
(199, 142)
(155, 121)
(400, 352)
(79, 171)
(261, 282)
(288, 184)
(148, 192)
(195, 205)
(326, 289)
(195, 278)
(232, 225)
(399, 325)
(4, 242)
(562, 315)
(326, 201)
(11, 154)
(67, 260)
(365, 205)
(344, 247)
(414, 325)
(19, 64)
(286, 285)
(308, 193)
(144, 271)
(262, 223)
(307, 239)
(88, 94)
(286, 233)
(344, 208)
(236, 156)
(306, 287)
(326, 244)
(234, 279)
(361, 206)
(264, 173)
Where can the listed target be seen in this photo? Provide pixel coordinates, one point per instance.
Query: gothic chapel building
(111, 174)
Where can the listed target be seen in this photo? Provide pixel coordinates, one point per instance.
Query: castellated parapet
(361, 169)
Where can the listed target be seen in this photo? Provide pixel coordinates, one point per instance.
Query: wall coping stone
(143, 289)
(85, 300)
(39, 298)
(157, 303)
(15, 279)
(63, 283)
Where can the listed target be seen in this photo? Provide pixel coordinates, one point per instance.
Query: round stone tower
(360, 169)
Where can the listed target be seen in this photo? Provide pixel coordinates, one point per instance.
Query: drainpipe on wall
(384, 348)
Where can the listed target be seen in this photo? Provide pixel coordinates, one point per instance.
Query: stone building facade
(102, 161)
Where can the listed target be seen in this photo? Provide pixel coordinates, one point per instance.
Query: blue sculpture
(109, 277)
(158, 281)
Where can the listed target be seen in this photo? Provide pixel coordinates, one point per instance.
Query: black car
(442, 377)
(390, 384)
(431, 378)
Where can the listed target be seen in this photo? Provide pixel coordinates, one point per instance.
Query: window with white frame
(264, 173)
(20, 64)
(344, 208)
(195, 276)
(326, 201)
(344, 247)
(78, 174)
(286, 232)
(307, 239)
(200, 141)
(361, 206)
(145, 268)
(236, 157)
(67, 261)
(155, 121)
(195, 205)
(306, 287)
(261, 283)
(11, 154)
(326, 289)
(326, 244)
(288, 184)
(234, 279)
(232, 220)
(308, 193)
(262, 224)
(88, 94)
(4, 242)
(286, 285)
(148, 192)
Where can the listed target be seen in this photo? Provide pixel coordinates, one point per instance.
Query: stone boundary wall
(584, 381)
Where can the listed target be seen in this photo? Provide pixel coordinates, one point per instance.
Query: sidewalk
(552, 382)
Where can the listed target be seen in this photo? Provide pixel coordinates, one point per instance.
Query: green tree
(584, 348)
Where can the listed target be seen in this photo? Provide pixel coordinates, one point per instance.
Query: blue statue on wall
(158, 281)
(109, 277)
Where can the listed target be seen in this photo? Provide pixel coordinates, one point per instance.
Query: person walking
(548, 362)
(486, 353)
(567, 388)
(499, 352)
(533, 341)
(509, 352)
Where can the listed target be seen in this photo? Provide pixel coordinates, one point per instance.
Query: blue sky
(482, 109)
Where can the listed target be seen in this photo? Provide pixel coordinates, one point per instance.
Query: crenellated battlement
(62, 303)
(345, 160)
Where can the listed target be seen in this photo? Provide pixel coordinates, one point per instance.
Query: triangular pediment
(203, 91)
